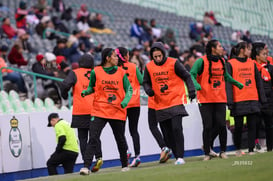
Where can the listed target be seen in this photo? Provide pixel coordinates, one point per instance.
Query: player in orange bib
(210, 76)
(244, 102)
(78, 79)
(133, 107)
(259, 55)
(112, 93)
(164, 79)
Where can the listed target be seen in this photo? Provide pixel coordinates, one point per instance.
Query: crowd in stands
(38, 19)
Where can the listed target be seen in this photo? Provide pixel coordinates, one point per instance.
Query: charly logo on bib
(15, 138)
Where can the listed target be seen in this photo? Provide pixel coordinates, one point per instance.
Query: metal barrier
(54, 31)
(35, 75)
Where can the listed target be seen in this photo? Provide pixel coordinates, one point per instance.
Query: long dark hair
(235, 50)
(107, 52)
(121, 53)
(213, 44)
(257, 47)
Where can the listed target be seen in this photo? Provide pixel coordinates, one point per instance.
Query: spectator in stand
(67, 14)
(97, 22)
(41, 5)
(58, 25)
(23, 42)
(169, 37)
(212, 17)
(189, 61)
(196, 31)
(58, 5)
(44, 24)
(20, 15)
(97, 26)
(61, 49)
(83, 12)
(51, 64)
(236, 38)
(73, 44)
(44, 66)
(246, 37)
(156, 31)
(4, 10)
(8, 29)
(137, 31)
(183, 55)
(137, 59)
(82, 24)
(40, 13)
(207, 20)
(144, 25)
(174, 51)
(14, 77)
(63, 67)
(40, 66)
(15, 56)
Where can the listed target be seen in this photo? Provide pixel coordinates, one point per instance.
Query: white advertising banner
(27, 142)
(15, 143)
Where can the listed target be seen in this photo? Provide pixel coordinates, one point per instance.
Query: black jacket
(37, 67)
(181, 72)
(245, 107)
(268, 105)
(78, 121)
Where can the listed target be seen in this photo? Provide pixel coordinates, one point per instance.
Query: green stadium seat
(3, 95)
(29, 106)
(13, 95)
(49, 102)
(64, 108)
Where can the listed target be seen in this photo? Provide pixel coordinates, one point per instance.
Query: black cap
(51, 116)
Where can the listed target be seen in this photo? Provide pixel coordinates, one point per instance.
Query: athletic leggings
(83, 139)
(172, 131)
(96, 127)
(153, 125)
(251, 127)
(268, 121)
(133, 116)
(214, 123)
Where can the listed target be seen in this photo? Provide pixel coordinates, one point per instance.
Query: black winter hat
(86, 61)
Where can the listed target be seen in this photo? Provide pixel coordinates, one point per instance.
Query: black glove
(150, 92)
(192, 95)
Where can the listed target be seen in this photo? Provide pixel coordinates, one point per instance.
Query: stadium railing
(54, 31)
(34, 75)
